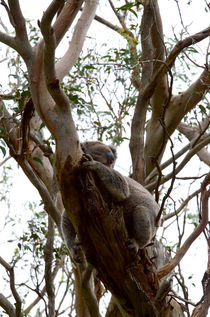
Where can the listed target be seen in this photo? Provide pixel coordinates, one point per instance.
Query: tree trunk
(132, 279)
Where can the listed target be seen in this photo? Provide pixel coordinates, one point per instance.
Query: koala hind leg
(140, 228)
(70, 238)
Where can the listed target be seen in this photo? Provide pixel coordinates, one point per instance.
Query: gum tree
(140, 285)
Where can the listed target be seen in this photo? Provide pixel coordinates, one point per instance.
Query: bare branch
(191, 133)
(192, 152)
(7, 306)
(176, 156)
(52, 82)
(50, 40)
(191, 40)
(131, 40)
(22, 43)
(173, 177)
(58, 265)
(193, 94)
(8, 40)
(108, 24)
(203, 308)
(139, 117)
(48, 257)
(181, 207)
(43, 102)
(44, 193)
(5, 160)
(66, 18)
(10, 270)
(120, 18)
(161, 92)
(166, 269)
(11, 140)
(179, 105)
(88, 292)
(64, 65)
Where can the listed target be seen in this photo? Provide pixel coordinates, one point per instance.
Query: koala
(139, 207)
(107, 156)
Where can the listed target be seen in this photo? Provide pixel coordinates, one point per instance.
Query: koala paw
(86, 158)
(89, 165)
(132, 247)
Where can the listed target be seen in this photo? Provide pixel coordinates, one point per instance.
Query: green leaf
(3, 150)
(202, 109)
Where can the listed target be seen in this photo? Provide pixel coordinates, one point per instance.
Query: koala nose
(110, 158)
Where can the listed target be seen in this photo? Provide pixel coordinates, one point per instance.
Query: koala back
(140, 212)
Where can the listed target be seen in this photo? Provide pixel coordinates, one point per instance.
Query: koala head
(105, 154)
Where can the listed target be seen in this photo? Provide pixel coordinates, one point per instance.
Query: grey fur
(140, 209)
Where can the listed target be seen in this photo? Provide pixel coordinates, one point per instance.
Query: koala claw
(88, 164)
(86, 158)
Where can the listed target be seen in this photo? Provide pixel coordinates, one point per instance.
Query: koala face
(100, 152)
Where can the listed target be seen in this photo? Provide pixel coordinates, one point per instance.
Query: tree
(54, 167)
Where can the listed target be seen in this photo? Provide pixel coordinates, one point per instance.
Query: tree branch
(191, 40)
(166, 269)
(8, 40)
(186, 159)
(50, 40)
(64, 65)
(119, 17)
(10, 137)
(88, 293)
(177, 107)
(64, 128)
(139, 117)
(44, 104)
(5, 160)
(44, 193)
(66, 18)
(108, 24)
(188, 99)
(191, 133)
(22, 43)
(161, 92)
(48, 257)
(10, 270)
(7, 306)
(42, 292)
(184, 203)
(155, 171)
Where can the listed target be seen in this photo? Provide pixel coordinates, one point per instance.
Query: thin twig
(198, 230)
(181, 207)
(186, 159)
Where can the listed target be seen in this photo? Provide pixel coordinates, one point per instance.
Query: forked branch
(64, 65)
(186, 159)
(10, 270)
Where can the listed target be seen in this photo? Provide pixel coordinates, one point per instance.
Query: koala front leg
(70, 238)
(114, 182)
